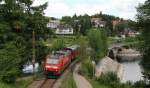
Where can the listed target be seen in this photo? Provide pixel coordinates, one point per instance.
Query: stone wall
(109, 65)
(128, 55)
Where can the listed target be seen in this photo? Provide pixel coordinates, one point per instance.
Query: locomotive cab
(56, 63)
(52, 65)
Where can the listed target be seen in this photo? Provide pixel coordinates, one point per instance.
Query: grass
(112, 40)
(96, 84)
(20, 84)
(69, 40)
(68, 82)
(86, 70)
(127, 40)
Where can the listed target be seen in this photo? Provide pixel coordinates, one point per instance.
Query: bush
(139, 84)
(58, 44)
(87, 69)
(82, 50)
(41, 52)
(131, 39)
(108, 78)
(9, 76)
(10, 59)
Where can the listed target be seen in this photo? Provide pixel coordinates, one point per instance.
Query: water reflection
(132, 71)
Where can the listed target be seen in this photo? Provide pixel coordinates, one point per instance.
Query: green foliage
(66, 20)
(108, 78)
(58, 44)
(98, 42)
(9, 76)
(10, 59)
(83, 53)
(112, 81)
(41, 55)
(120, 27)
(18, 18)
(19, 84)
(85, 22)
(131, 39)
(144, 25)
(96, 84)
(108, 19)
(69, 82)
(87, 68)
(125, 24)
(139, 84)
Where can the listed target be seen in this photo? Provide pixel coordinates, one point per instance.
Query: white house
(64, 30)
(97, 22)
(53, 24)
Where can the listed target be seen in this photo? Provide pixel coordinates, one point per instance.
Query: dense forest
(19, 20)
(144, 25)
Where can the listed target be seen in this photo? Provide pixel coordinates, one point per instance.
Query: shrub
(58, 44)
(139, 84)
(108, 79)
(87, 69)
(9, 76)
(10, 60)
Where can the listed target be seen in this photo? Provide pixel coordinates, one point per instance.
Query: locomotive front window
(52, 61)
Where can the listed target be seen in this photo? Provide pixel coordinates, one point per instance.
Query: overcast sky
(122, 8)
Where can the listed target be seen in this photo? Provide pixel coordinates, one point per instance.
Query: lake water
(132, 71)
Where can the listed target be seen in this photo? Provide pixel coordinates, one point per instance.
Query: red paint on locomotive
(58, 61)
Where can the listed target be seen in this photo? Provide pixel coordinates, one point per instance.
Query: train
(58, 61)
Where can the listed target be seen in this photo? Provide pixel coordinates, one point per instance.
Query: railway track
(48, 83)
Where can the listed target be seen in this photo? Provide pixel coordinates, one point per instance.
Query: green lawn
(68, 40)
(21, 84)
(127, 40)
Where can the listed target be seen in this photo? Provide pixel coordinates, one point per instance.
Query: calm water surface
(132, 71)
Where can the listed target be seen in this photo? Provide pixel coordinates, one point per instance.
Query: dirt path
(81, 82)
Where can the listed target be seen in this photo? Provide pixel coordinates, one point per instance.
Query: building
(61, 29)
(53, 23)
(130, 33)
(115, 22)
(97, 22)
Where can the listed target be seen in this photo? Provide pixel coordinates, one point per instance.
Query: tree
(144, 24)
(58, 44)
(10, 59)
(66, 20)
(82, 50)
(108, 19)
(85, 22)
(98, 42)
(120, 27)
(18, 18)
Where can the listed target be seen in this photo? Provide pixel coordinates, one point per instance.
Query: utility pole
(33, 51)
(31, 14)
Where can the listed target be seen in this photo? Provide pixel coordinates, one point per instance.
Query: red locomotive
(58, 61)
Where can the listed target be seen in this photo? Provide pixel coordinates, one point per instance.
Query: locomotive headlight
(47, 66)
(55, 67)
